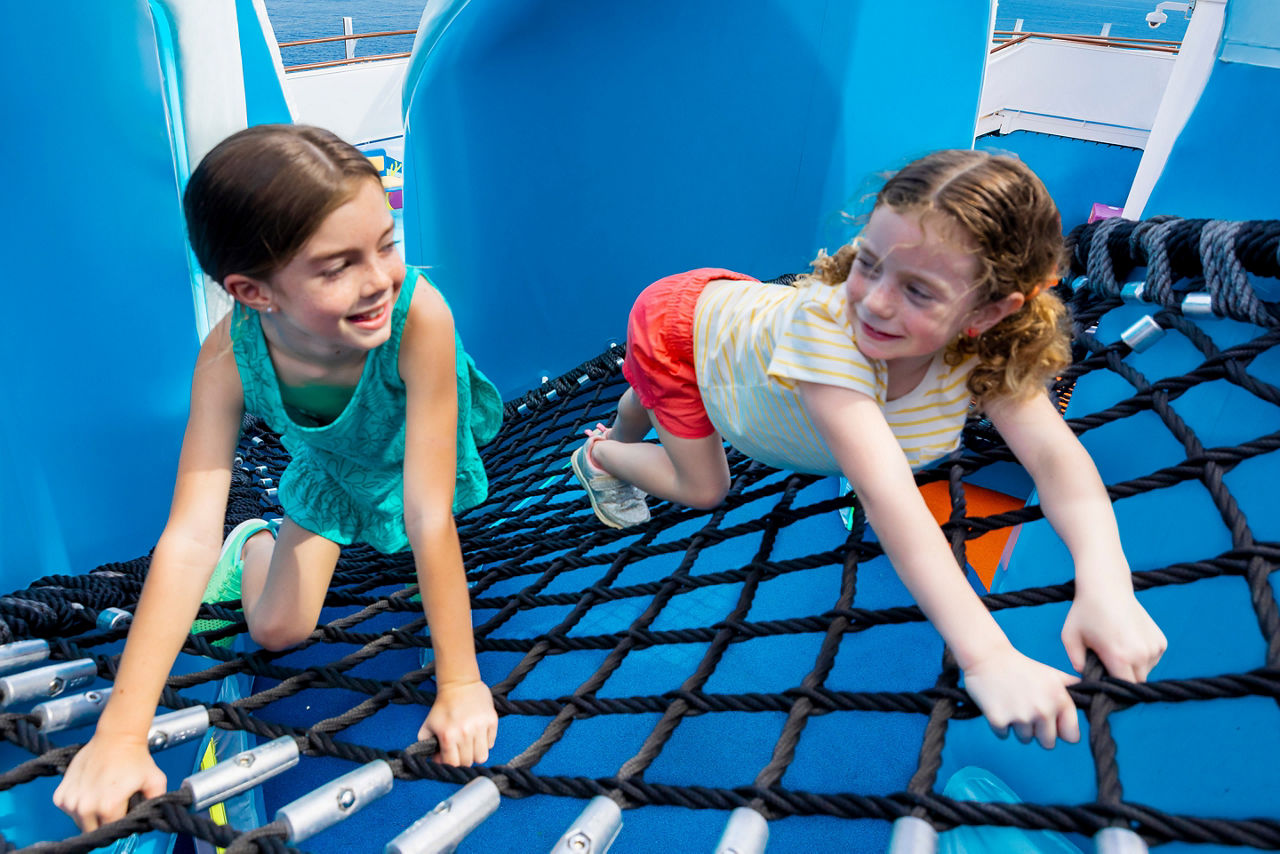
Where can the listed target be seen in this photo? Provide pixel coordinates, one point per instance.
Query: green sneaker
(225, 582)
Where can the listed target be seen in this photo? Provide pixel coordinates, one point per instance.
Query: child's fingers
(448, 754)
(1074, 645)
(1069, 724)
(479, 749)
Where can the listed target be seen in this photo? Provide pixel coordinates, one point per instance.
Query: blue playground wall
(1223, 165)
(98, 358)
(562, 154)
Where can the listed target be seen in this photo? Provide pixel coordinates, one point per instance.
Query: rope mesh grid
(543, 572)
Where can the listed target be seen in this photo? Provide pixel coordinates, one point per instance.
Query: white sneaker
(617, 503)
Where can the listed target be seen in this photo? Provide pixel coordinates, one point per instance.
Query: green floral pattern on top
(345, 479)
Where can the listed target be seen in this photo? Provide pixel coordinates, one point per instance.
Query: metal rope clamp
(913, 835)
(594, 829)
(241, 772)
(747, 832)
(68, 712)
(174, 728)
(443, 829)
(51, 681)
(330, 804)
(1198, 304)
(19, 654)
(1142, 334)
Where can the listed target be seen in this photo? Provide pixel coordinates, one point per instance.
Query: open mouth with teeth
(369, 318)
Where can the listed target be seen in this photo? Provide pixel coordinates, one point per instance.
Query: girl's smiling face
(910, 288)
(341, 286)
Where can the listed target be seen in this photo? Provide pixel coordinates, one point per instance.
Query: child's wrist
(973, 651)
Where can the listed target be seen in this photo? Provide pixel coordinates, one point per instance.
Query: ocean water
(305, 19)
(310, 19)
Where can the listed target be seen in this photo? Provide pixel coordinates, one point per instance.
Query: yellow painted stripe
(217, 812)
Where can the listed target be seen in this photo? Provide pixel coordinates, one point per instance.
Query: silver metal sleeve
(20, 654)
(1198, 304)
(746, 833)
(441, 830)
(113, 618)
(912, 835)
(51, 681)
(68, 712)
(1118, 840)
(1142, 334)
(594, 830)
(240, 772)
(339, 799)
(1132, 292)
(173, 728)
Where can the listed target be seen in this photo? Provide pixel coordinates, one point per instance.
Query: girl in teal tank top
(354, 361)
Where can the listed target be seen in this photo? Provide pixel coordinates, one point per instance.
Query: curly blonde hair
(1008, 217)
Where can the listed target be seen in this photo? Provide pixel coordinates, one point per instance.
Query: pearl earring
(268, 309)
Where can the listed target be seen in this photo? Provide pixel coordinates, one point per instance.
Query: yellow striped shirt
(754, 341)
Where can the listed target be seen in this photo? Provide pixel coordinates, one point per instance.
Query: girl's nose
(878, 297)
(378, 280)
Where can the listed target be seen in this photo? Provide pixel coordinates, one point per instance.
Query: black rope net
(541, 568)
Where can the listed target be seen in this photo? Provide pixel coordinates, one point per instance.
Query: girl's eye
(919, 293)
(335, 271)
(866, 265)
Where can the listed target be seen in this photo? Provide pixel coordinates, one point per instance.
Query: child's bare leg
(632, 421)
(693, 472)
(284, 582)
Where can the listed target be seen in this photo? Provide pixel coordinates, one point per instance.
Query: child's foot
(225, 581)
(617, 503)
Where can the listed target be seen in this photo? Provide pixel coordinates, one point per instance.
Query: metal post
(350, 43)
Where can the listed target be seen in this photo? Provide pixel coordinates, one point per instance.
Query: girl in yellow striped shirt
(867, 369)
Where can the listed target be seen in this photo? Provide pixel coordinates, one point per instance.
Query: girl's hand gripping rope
(103, 776)
(1016, 692)
(1115, 626)
(463, 721)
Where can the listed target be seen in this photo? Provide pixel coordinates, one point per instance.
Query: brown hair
(1000, 205)
(261, 193)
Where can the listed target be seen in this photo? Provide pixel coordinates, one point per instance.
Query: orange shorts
(659, 363)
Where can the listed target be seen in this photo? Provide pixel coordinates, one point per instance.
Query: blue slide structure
(562, 155)
(99, 363)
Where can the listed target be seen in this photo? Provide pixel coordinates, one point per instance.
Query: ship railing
(1002, 39)
(351, 39)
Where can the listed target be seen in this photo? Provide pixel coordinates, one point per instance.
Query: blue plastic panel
(562, 154)
(98, 356)
(1223, 164)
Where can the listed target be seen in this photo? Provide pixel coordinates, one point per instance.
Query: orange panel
(985, 551)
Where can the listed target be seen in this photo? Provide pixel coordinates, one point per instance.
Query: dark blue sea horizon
(305, 19)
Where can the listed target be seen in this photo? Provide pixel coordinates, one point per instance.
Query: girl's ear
(249, 292)
(988, 315)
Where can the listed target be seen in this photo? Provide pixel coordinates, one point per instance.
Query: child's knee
(707, 495)
(275, 635)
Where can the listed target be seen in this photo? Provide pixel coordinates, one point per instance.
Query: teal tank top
(345, 479)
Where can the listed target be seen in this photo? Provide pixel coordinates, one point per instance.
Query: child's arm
(116, 763)
(462, 717)
(1011, 689)
(1105, 616)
